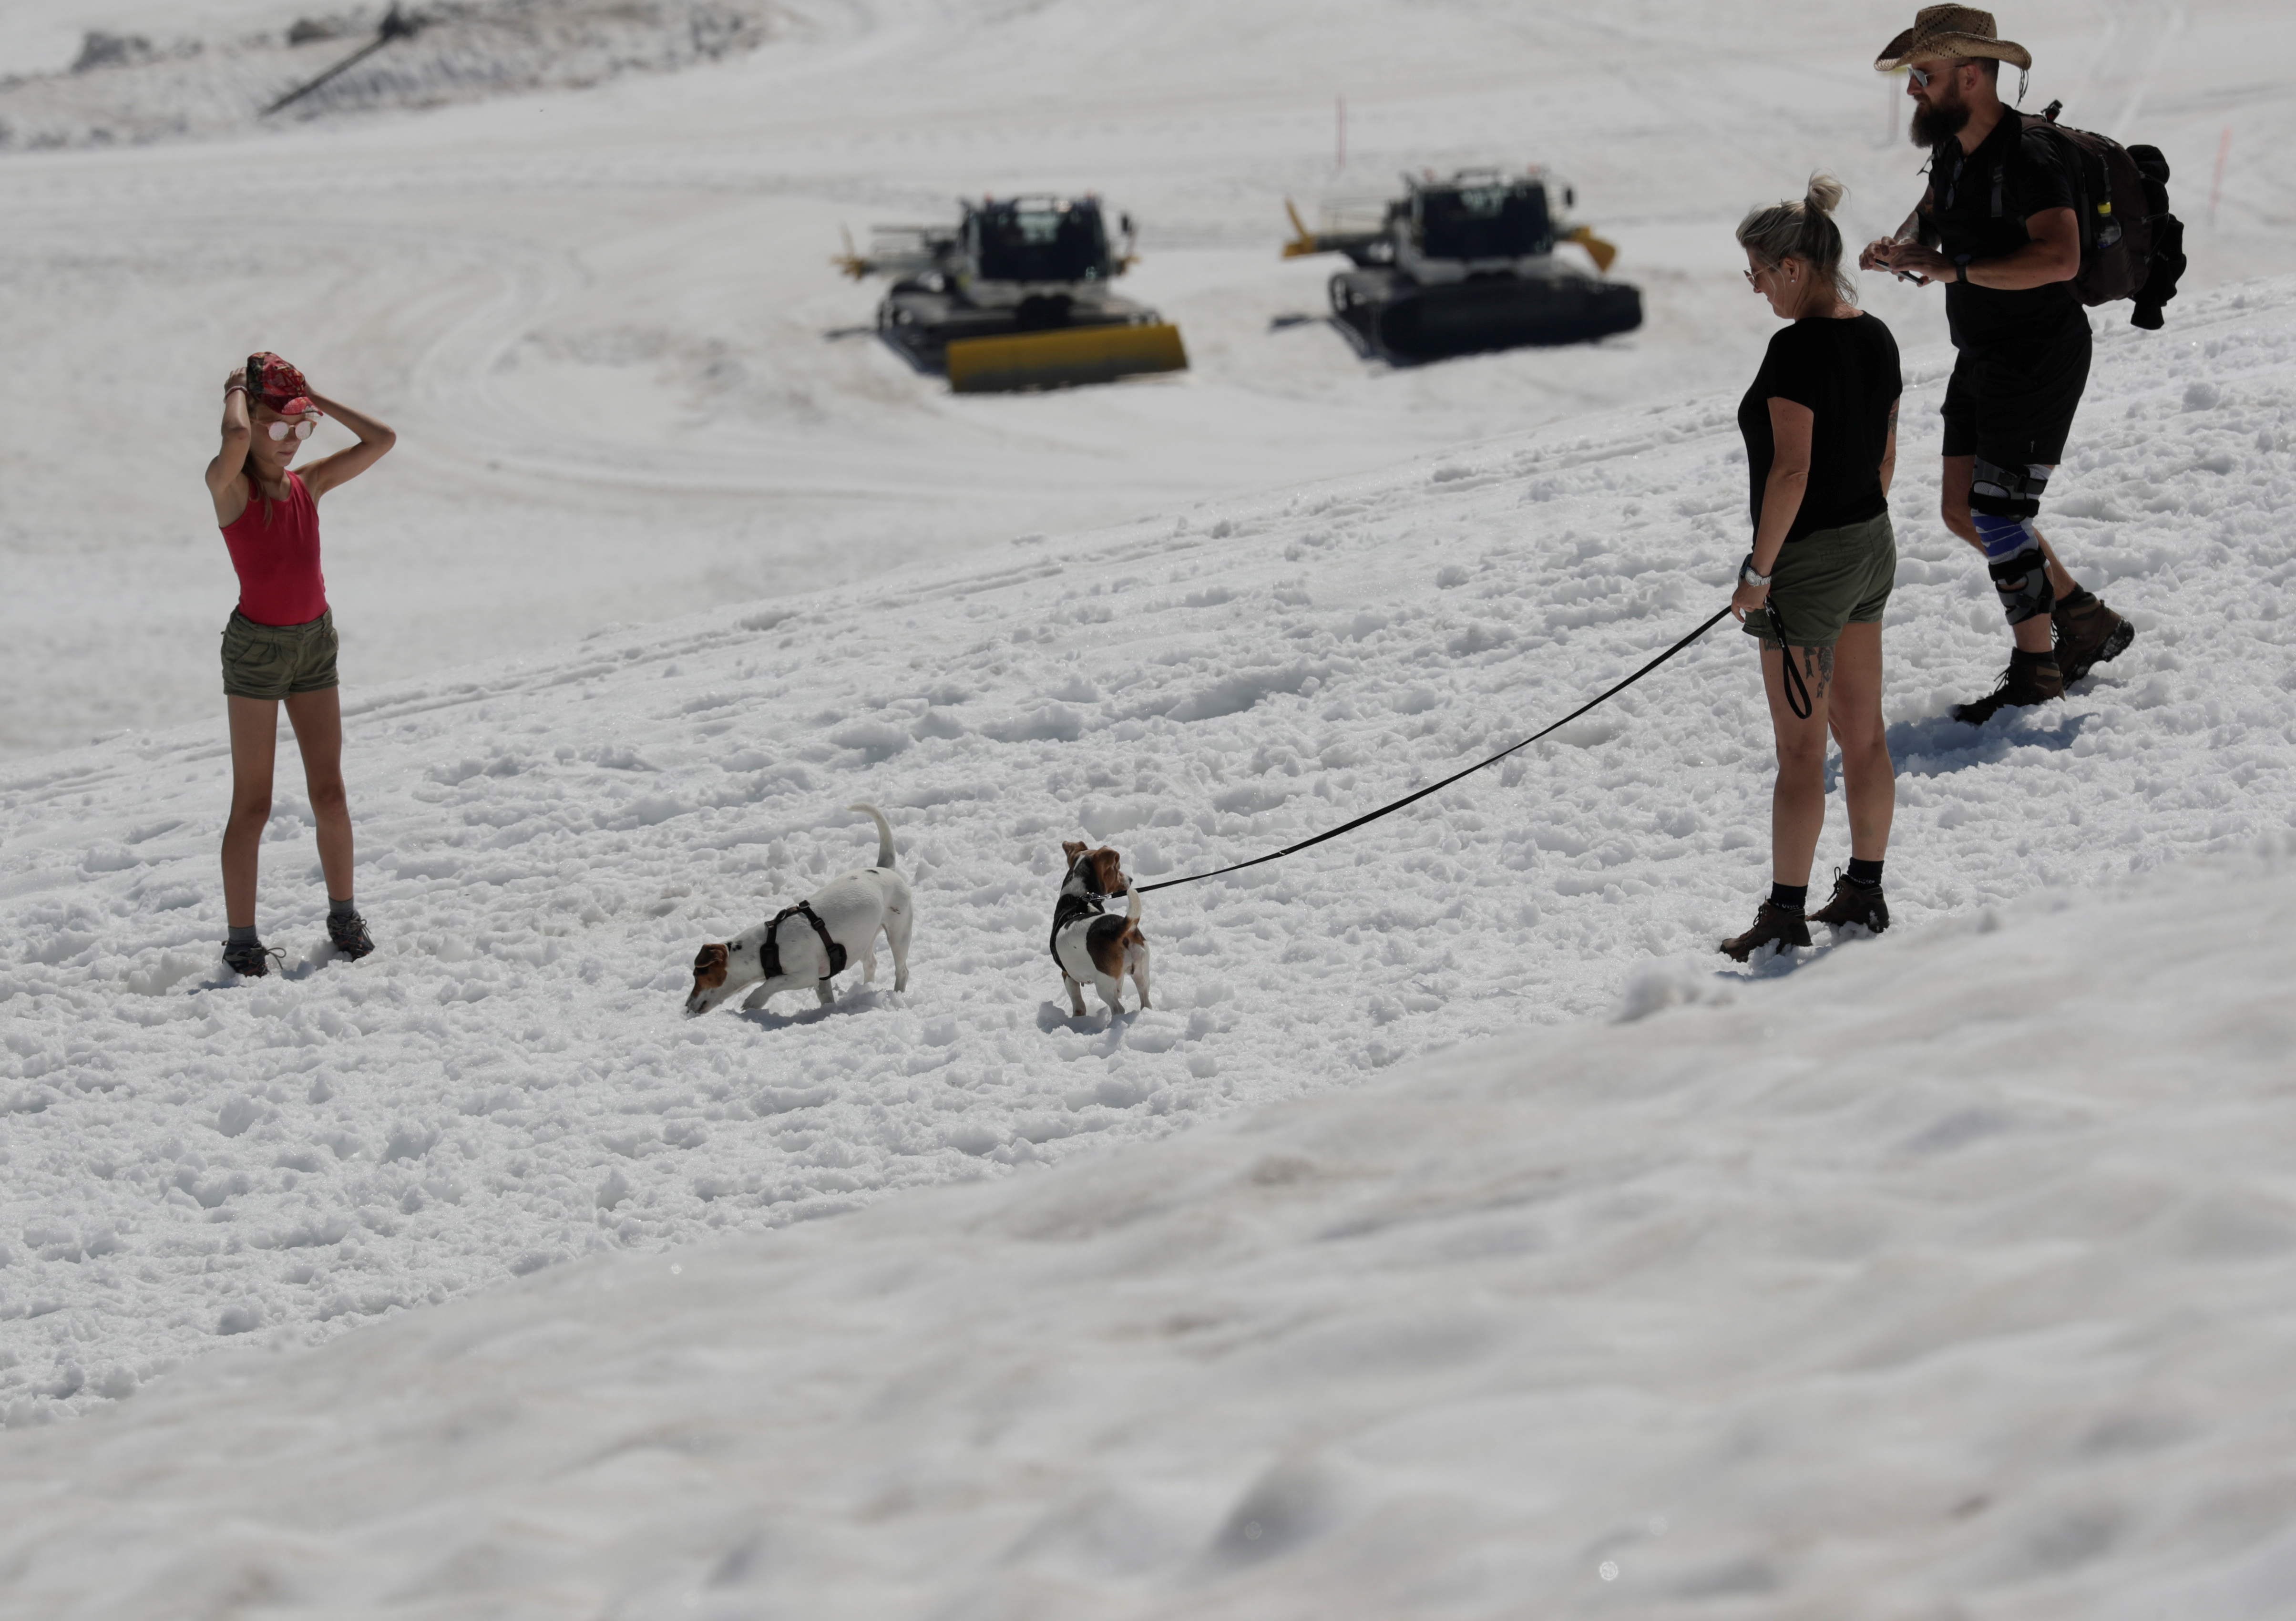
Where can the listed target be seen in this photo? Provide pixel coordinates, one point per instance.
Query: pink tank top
(278, 559)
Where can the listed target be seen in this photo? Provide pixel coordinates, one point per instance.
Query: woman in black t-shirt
(1821, 429)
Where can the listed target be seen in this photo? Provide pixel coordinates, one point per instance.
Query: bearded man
(1997, 227)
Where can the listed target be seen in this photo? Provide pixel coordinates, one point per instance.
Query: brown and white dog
(1089, 943)
(809, 942)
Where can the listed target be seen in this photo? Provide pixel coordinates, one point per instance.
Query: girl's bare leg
(1798, 802)
(254, 740)
(1869, 777)
(317, 718)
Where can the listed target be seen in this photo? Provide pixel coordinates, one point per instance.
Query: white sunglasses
(301, 430)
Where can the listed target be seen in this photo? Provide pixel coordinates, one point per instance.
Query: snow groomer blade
(1063, 358)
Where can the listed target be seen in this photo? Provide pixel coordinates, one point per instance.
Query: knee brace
(2008, 492)
(2012, 556)
(2003, 503)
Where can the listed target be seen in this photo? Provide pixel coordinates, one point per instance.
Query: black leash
(1172, 883)
(1791, 677)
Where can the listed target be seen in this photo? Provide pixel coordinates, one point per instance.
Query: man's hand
(1913, 261)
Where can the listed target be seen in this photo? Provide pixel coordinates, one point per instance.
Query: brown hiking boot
(1771, 926)
(1858, 904)
(2031, 678)
(2087, 634)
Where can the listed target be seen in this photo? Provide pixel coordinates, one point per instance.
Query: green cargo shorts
(276, 660)
(1826, 580)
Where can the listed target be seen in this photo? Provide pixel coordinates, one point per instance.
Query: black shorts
(2011, 403)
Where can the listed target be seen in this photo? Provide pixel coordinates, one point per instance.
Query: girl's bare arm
(224, 482)
(375, 442)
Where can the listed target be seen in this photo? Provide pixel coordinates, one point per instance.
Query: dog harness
(1069, 907)
(769, 954)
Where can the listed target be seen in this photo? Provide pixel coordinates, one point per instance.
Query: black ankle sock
(2080, 601)
(241, 935)
(341, 908)
(1789, 897)
(1863, 872)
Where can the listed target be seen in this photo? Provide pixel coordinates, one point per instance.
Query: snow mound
(542, 844)
(126, 88)
(1945, 1278)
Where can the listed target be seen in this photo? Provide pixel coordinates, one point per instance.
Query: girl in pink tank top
(279, 646)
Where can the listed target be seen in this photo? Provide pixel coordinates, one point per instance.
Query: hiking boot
(1854, 903)
(251, 961)
(2031, 678)
(349, 934)
(2087, 634)
(1772, 927)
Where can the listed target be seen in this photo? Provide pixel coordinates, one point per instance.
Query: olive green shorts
(1826, 580)
(276, 660)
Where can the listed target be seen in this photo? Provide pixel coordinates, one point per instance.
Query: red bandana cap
(271, 382)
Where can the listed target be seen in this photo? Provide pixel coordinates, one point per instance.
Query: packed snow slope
(629, 384)
(1948, 1277)
(544, 843)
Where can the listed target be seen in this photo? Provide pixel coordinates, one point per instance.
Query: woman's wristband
(231, 389)
(1747, 576)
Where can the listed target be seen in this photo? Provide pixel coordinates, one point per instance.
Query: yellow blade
(1303, 240)
(1599, 250)
(851, 263)
(1052, 360)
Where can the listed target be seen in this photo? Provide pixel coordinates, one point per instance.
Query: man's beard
(1935, 124)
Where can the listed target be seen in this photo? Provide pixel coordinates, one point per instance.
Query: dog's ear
(709, 969)
(1108, 867)
(1072, 848)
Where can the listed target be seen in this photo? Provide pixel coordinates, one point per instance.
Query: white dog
(808, 943)
(1088, 943)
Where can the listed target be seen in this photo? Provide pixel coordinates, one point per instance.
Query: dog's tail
(1132, 913)
(884, 833)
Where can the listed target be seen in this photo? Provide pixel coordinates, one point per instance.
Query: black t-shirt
(1846, 372)
(1983, 200)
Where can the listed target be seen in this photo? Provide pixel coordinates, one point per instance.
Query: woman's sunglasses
(303, 409)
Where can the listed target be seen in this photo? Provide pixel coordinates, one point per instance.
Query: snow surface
(1699, 1298)
(544, 843)
(629, 385)
(1890, 1291)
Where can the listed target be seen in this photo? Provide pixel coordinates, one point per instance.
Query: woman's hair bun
(1825, 193)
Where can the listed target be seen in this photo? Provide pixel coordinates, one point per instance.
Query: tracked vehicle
(1016, 296)
(1465, 265)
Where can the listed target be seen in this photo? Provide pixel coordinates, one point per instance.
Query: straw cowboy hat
(1950, 31)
